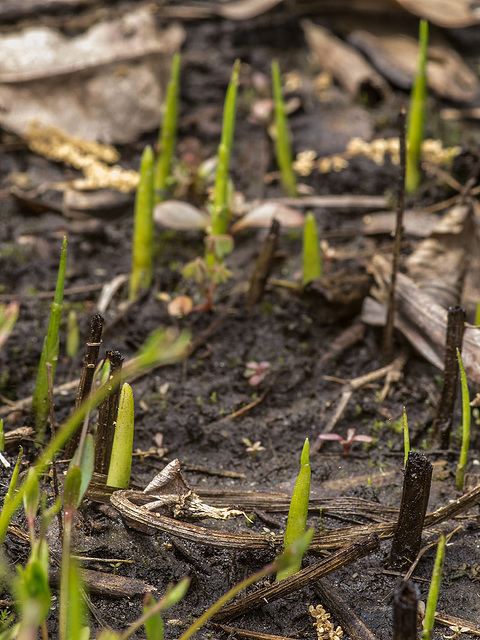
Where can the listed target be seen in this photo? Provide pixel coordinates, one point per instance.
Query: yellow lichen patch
(89, 156)
(325, 628)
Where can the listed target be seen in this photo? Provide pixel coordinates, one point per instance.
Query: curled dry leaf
(396, 58)
(122, 66)
(180, 306)
(445, 13)
(179, 215)
(263, 215)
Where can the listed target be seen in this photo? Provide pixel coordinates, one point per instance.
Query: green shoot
(283, 149)
(312, 258)
(466, 416)
(142, 253)
(73, 335)
(162, 347)
(297, 515)
(220, 212)
(406, 438)
(429, 619)
(121, 458)
(40, 405)
(2, 436)
(416, 115)
(477, 315)
(291, 556)
(8, 318)
(168, 134)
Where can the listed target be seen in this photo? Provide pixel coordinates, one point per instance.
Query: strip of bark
(302, 578)
(442, 423)
(263, 266)
(416, 490)
(86, 377)
(107, 417)
(341, 611)
(405, 599)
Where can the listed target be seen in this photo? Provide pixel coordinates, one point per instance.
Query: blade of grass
(283, 151)
(466, 418)
(312, 258)
(168, 134)
(142, 253)
(416, 115)
(50, 349)
(220, 212)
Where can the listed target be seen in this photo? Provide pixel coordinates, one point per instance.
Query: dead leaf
(106, 84)
(180, 306)
(179, 215)
(445, 13)
(345, 64)
(396, 58)
(263, 215)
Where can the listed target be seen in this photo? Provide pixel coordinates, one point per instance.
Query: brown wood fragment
(244, 633)
(405, 599)
(449, 620)
(107, 417)
(262, 267)
(416, 490)
(86, 377)
(302, 578)
(344, 63)
(109, 584)
(442, 423)
(341, 611)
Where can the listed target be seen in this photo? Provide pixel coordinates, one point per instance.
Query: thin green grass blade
(297, 514)
(429, 619)
(466, 419)
(221, 213)
(416, 114)
(168, 134)
(40, 405)
(283, 149)
(406, 438)
(142, 254)
(312, 257)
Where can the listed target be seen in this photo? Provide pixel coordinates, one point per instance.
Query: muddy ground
(189, 403)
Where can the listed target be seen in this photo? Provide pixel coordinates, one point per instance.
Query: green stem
(466, 417)
(429, 619)
(406, 438)
(283, 149)
(312, 259)
(142, 254)
(50, 349)
(168, 134)
(416, 115)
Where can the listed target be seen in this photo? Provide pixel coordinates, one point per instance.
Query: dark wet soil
(190, 404)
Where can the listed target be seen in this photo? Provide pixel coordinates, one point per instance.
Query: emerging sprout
(253, 448)
(256, 372)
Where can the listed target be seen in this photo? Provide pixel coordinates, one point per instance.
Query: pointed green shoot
(2, 436)
(477, 315)
(406, 438)
(162, 347)
(142, 252)
(121, 458)
(312, 257)
(416, 114)
(73, 334)
(429, 619)
(167, 135)
(40, 405)
(220, 212)
(283, 150)
(466, 417)
(297, 515)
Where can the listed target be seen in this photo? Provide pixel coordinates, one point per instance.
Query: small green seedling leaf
(466, 418)
(8, 318)
(142, 254)
(297, 515)
(293, 554)
(72, 487)
(154, 625)
(283, 149)
(168, 133)
(416, 114)
(312, 258)
(429, 619)
(86, 465)
(121, 458)
(40, 405)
